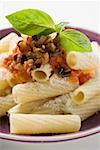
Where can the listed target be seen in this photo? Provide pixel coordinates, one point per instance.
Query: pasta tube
(26, 108)
(11, 80)
(63, 83)
(4, 92)
(6, 78)
(96, 48)
(60, 105)
(85, 110)
(36, 124)
(3, 82)
(2, 56)
(13, 43)
(4, 42)
(6, 103)
(64, 104)
(42, 74)
(53, 106)
(87, 91)
(83, 61)
(36, 91)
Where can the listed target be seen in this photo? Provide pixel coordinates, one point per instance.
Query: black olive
(35, 37)
(38, 63)
(28, 57)
(64, 73)
(25, 57)
(15, 57)
(18, 44)
(56, 41)
(50, 54)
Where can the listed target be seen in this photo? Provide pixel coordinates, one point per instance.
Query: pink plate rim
(49, 139)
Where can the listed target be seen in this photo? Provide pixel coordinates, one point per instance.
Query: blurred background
(79, 13)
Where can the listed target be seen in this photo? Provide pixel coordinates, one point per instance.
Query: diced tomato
(84, 77)
(81, 76)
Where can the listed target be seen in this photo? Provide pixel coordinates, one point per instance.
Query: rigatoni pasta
(6, 79)
(5, 42)
(52, 106)
(60, 105)
(3, 80)
(65, 105)
(84, 110)
(26, 108)
(96, 48)
(6, 103)
(2, 56)
(42, 74)
(36, 91)
(49, 83)
(13, 43)
(6, 91)
(36, 124)
(46, 106)
(86, 91)
(76, 60)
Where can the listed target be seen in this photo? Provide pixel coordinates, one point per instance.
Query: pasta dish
(49, 75)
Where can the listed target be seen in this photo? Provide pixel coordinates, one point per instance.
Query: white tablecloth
(79, 13)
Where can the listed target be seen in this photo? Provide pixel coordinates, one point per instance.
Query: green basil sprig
(60, 26)
(34, 22)
(73, 40)
(31, 21)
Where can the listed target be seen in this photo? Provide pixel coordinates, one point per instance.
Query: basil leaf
(60, 26)
(47, 32)
(31, 21)
(73, 40)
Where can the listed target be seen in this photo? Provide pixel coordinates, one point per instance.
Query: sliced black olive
(35, 37)
(56, 41)
(38, 63)
(15, 57)
(25, 57)
(64, 73)
(19, 42)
